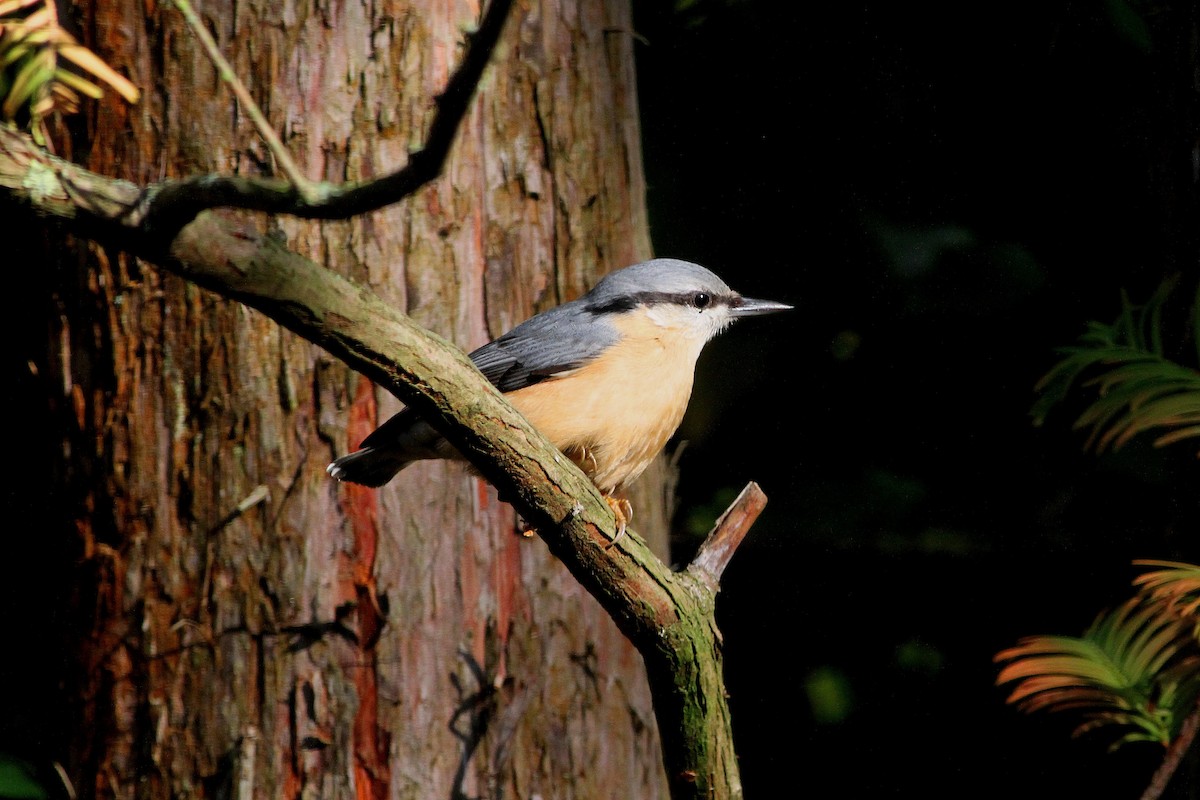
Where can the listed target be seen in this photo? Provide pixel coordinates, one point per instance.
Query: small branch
(166, 207)
(728, 532)
(308, 190)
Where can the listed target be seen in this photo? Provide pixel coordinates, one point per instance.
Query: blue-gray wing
(562, 339)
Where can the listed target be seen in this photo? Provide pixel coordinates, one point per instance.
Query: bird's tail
(370, 466)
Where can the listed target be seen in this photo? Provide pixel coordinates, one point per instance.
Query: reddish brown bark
(329, 640)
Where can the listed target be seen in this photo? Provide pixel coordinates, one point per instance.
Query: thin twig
(1179, 746)
(311, 192)
(729, 531)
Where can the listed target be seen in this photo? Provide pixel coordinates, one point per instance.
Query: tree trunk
(243, 624)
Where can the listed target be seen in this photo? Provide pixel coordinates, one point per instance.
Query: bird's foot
(623, 510)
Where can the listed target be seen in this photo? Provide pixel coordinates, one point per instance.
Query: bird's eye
(702, 300)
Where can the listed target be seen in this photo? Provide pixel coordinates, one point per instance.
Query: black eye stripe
(628, 302)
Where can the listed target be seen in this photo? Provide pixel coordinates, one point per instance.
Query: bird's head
(678, 296)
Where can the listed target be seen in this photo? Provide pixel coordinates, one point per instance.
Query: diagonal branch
(668, 616)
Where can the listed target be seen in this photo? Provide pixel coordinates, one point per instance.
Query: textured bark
(247, 625)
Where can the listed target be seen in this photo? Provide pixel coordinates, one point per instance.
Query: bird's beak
(749, 307)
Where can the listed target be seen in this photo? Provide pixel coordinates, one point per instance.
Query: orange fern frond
(1136, 669)
(1176, 585)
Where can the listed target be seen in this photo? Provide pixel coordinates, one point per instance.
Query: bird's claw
(623, 510)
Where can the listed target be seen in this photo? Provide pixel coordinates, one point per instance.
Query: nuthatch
(606, 378)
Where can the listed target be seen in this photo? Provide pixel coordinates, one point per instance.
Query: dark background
(947, 192)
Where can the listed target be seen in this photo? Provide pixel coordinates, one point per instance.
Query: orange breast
(613, 416)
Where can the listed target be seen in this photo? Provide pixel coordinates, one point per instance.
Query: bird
(606, 377)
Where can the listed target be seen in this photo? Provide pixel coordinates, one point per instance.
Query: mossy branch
(667, 615)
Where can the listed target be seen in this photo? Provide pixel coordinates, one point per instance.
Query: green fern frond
(1135, 670)
(1138, 389)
